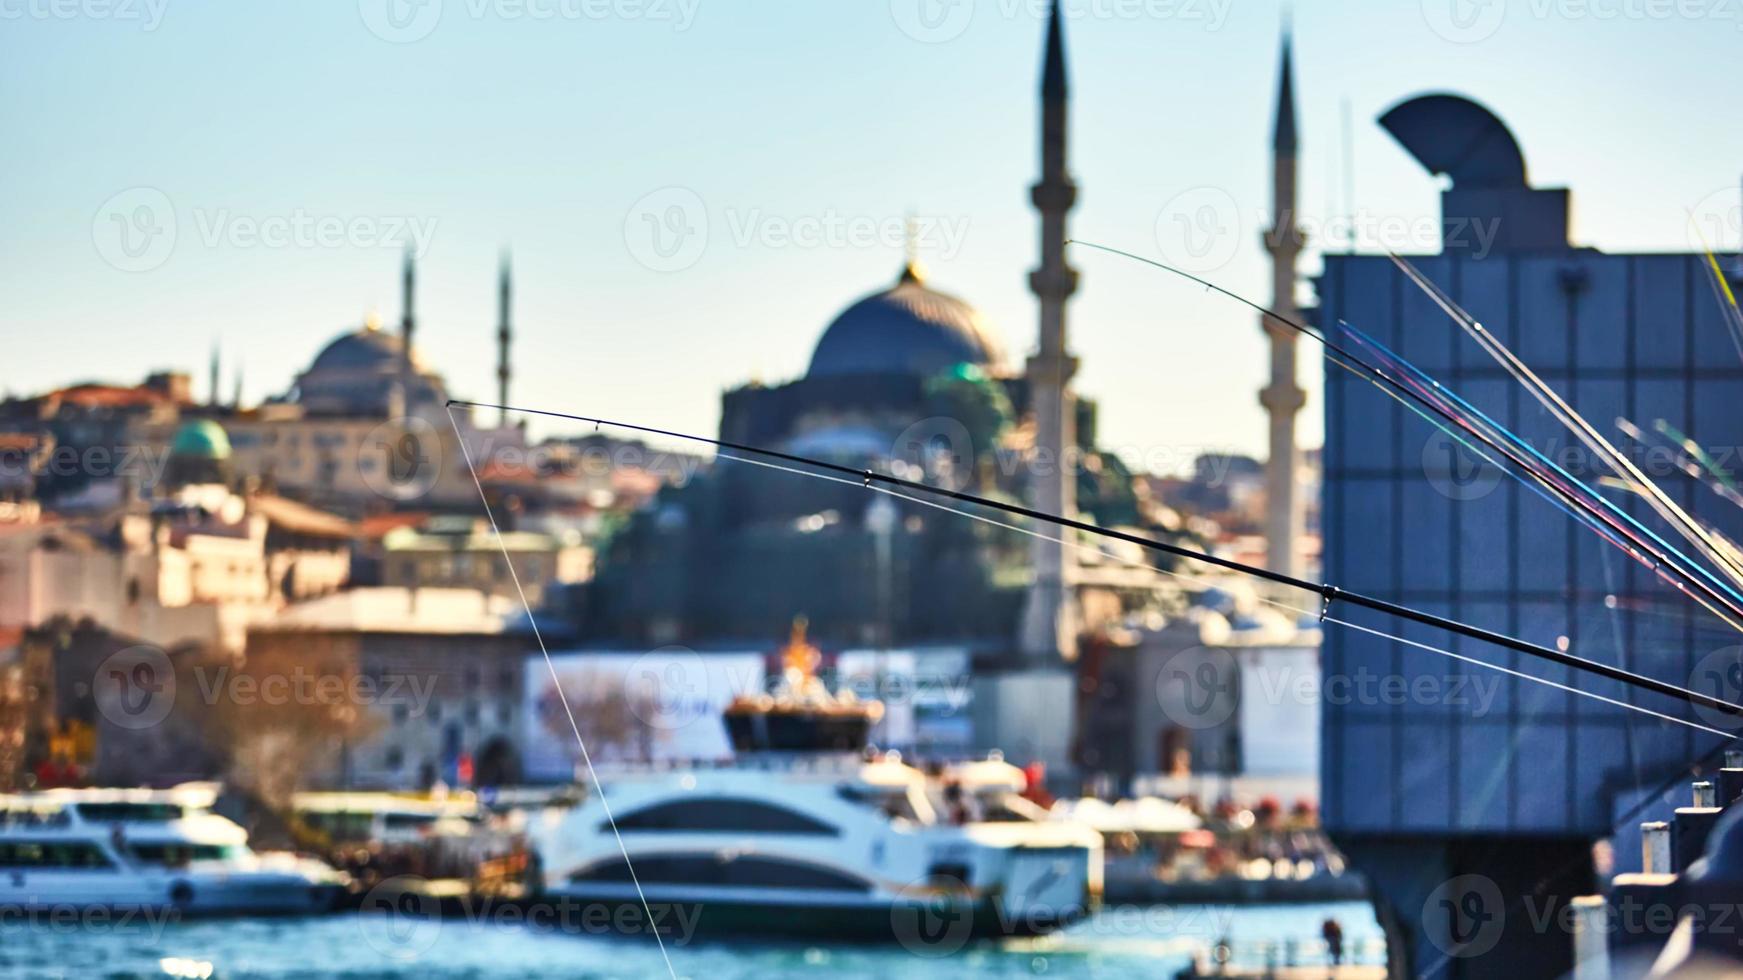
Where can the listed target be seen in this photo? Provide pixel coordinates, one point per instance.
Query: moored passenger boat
(146, 849)
(807, 833)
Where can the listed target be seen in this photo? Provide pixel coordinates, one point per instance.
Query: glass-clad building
(1452, 769)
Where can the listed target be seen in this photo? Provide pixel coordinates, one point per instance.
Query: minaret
(502, 338)
(1050, 621)
(212, 397)
(1283, 397)
(407, 327)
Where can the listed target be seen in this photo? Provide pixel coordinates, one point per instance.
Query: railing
(1228, 957)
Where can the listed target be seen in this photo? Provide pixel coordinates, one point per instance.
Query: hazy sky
(184, 171)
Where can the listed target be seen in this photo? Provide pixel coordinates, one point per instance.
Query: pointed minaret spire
(1050, 622)
(1283, 133)
(407, 328)
(213, 398)
(1283, 398)
(503, 333)
(1054, 86)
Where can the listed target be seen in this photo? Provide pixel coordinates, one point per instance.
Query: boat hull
(193, 896)
(942, 923)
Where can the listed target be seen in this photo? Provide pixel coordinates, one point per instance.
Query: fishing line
(1327, 592)
(1694, 449)
(1539, 680)
(1572, 420)
(1433, 389)
(1134, 563)
(1381, 378)
(1302, 328)
(1690, 466)
(1721, 288)
(1565, 413)
(562, 697)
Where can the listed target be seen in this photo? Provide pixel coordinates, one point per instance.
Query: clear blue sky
(494, 124)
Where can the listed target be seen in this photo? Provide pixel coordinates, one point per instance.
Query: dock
(1304, 959)
(1347, 971)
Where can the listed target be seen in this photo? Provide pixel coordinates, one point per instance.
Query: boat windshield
(1010, 808)
(32, 816)
(65, 854)
(891, 802)
(180, 855)
(119, 812)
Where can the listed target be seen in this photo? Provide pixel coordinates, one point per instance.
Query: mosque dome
(201, 439)
(906, 329)
(357, 372)
(367, 349)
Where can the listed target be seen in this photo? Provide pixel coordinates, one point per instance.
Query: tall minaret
(212, 396)
(408, 325)
(1050, 621)
(1283, 397)
(502, 338)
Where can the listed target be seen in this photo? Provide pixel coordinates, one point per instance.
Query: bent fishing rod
(1327, 592)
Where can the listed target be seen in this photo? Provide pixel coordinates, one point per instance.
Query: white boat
(146, 849)
(387, 818)
(804, 834)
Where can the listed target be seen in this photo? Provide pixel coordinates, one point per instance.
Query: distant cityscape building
(443, 669)
(193, 563)
(464, 553)
(1215, 699)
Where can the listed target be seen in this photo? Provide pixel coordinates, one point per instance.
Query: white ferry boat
(804, 834)
(146, 849)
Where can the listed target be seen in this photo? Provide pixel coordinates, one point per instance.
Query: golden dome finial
(912, 270)
(372, 321)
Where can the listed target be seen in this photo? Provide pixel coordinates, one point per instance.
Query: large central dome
(907, 329)
(368, 349)
(358, 374)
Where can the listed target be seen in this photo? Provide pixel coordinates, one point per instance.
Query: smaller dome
(200, 439)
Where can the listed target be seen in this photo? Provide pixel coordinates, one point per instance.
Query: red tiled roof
(378, 525)
(301, 518)
(114, 396)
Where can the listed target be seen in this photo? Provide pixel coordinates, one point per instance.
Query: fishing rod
(1675, 516)
(1327, 592)
(1701, 581)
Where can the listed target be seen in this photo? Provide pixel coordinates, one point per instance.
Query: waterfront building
(435, 673)
(96, 706)
(1427, 789)
(1219, 699)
